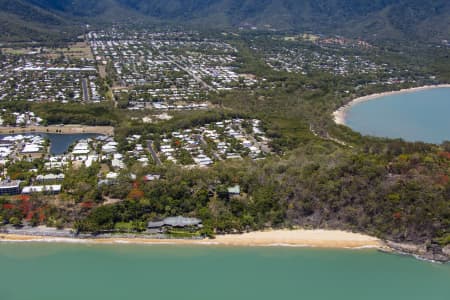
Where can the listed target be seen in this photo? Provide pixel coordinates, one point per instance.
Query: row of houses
(15, 146)
(137, 64)
(228, 139)
(12, 187)
(38, 78)
(162, 73)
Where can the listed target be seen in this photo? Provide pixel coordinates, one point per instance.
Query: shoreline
(332, 239)
(299, 238)
(339, 116)
(57, 129)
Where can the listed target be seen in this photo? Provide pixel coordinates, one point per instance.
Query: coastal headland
(59, 129)
(339, 116)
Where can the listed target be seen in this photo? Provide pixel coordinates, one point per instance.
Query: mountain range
(393, 19)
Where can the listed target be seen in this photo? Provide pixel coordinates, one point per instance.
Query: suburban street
(153, 153)
(84, 85)
(198, 79)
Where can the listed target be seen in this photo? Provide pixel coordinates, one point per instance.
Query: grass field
(77, 50)
(17, 51)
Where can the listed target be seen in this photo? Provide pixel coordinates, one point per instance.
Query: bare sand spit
(294, 238)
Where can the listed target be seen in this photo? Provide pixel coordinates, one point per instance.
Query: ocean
(78, 271)
(414, 116)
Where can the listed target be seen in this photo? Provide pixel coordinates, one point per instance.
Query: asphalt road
(153, 153)
(84, 85)
(198, 79)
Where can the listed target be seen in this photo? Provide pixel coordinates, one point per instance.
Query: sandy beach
(66, 129)
(339, 115)
(293, 238)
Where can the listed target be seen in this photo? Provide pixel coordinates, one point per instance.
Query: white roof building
(42, 189)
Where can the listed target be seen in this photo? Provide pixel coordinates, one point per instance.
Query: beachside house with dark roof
(182, 221)
(174, 222)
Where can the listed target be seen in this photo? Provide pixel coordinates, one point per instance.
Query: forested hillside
(377, 19)
(20, 20)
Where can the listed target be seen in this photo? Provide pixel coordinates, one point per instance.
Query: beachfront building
(174, 222)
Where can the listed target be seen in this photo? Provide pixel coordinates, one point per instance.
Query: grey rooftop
(175, 222)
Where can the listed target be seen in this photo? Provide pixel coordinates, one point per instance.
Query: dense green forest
(395, 196)
(387, 19)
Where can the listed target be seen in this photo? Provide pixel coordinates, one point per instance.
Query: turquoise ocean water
(416, 116)
(72, 271)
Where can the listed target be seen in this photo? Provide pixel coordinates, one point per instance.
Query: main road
(153, 153)
(198, 79)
